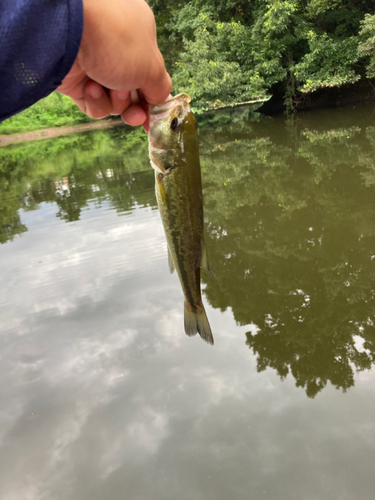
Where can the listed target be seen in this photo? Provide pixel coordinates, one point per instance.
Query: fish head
(172, 123)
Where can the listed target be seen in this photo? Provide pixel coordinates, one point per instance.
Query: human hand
(118, 54)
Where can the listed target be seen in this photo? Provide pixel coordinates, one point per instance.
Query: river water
(102, 395)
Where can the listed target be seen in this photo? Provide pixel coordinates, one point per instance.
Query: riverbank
(328, 97)
(361, 92)
(48, 133)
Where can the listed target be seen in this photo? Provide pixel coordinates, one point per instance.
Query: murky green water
(101, 393)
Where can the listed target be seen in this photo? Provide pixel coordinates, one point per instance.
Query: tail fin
(197, 322)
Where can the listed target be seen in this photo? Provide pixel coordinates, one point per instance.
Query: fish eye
(174, 123)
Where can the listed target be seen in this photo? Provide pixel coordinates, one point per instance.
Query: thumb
(158, 86)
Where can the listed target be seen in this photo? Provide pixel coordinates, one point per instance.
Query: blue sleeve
(39, 41)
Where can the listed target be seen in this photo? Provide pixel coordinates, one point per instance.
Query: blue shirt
(39, 41)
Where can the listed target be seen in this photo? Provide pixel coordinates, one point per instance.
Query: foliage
(214, 68)
(329, 63)
(237, 51)
(318, 7)
(54, 111)
(224, 52)
(366, 45)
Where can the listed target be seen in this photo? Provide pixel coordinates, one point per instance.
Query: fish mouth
(160, 118)
(160, 111)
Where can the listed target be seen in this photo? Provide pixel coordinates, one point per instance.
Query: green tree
(366, 47)
(239, 51)
(215, 68)
(226, 51)
(329, 62)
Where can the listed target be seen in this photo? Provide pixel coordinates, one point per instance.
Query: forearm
(39, 41)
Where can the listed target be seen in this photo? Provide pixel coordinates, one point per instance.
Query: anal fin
(204, 259)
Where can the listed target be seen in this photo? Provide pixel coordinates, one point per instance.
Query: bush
(56, 110)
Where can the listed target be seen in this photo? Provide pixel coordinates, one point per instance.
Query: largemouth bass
(174, 154)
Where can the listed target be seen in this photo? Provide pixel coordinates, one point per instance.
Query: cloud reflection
(102, 395)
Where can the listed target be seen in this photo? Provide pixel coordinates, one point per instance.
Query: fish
(174, 155)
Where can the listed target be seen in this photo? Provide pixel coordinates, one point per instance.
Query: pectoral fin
(161, 159)
(204, 259)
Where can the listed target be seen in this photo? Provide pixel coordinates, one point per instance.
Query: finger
(158, 86)
(146, 125)
(144, 105)
(134, 115)
(120, 101)
(80, 103)
(98, 103)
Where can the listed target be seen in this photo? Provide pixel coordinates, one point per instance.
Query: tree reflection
(110, 167)
(289, 217)
(291, 239)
